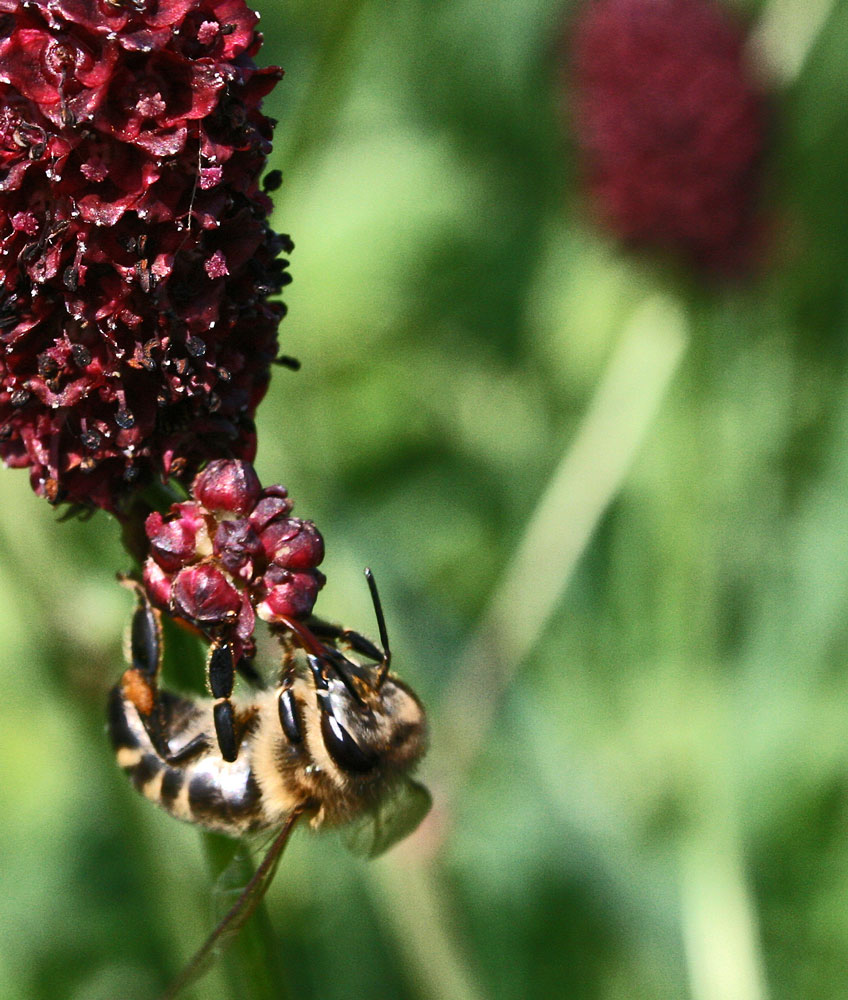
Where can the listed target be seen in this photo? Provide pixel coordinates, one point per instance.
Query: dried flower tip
(238, 547)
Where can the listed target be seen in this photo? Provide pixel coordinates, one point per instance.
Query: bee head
(371, 723)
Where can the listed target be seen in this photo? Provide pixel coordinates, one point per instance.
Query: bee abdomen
(205, 789)
(146, 769)
(231, 802)
(124, 741)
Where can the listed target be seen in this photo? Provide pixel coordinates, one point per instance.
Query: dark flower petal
(268, 509)
(133, 228)
(203, 594)
(238, 548)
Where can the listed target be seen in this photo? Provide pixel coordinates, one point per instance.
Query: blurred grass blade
(415, 908)
(580, 491)
(257, 946)
(318, 111)
(719, 925)
(786, 34)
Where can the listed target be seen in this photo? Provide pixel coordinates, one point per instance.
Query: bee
(332, 741)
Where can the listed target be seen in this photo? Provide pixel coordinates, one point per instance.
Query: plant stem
(250, 963)
(589, 476)
(786, 35)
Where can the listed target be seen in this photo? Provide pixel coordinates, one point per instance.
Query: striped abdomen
(205, 789)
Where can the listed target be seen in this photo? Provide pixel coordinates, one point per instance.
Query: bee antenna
(381, 625)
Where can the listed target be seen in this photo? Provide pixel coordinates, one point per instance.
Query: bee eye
(343, 748)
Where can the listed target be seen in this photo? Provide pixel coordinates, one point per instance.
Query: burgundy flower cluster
(136, 260)
(232, 552)
(671, 126)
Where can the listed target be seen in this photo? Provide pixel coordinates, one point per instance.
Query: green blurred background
(606, 506)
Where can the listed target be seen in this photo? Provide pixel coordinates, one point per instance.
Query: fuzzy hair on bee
(333, 738)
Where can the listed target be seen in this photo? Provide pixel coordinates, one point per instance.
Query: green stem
(786, 34)
(588, 478)
(251, 963)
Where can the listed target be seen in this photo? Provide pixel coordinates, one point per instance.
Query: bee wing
(238, 913)
(390, 821)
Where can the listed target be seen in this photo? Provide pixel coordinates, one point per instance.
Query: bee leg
(191, 749)
(335, 633)
(287, 704)
(139, 683)
(358, 643)
(221, 671)
(146, 638)
(314, 647)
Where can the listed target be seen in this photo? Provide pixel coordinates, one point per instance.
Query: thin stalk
(583, 485)
(250, 962)
(786, 34)
(720, 931)
(588, 477)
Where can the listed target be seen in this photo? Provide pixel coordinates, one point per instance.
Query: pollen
(136, 689)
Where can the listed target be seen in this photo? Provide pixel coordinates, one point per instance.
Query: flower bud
(172, 542)
(227, 485)
(157, 583)
(671, 123)
(259, 562)
(204, 595)
(290, 598)
(293, 543)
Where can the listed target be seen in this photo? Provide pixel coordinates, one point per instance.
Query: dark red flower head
(231, 553)
(136, 260)
(671, 126)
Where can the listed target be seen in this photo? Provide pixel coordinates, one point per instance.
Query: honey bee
(333, 741)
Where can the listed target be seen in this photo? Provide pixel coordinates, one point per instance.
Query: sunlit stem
(719, 921)
(581, 488)
(785, 36)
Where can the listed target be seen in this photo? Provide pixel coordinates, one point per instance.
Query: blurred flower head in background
(136, 260)
(231, 553)
(671, 126)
